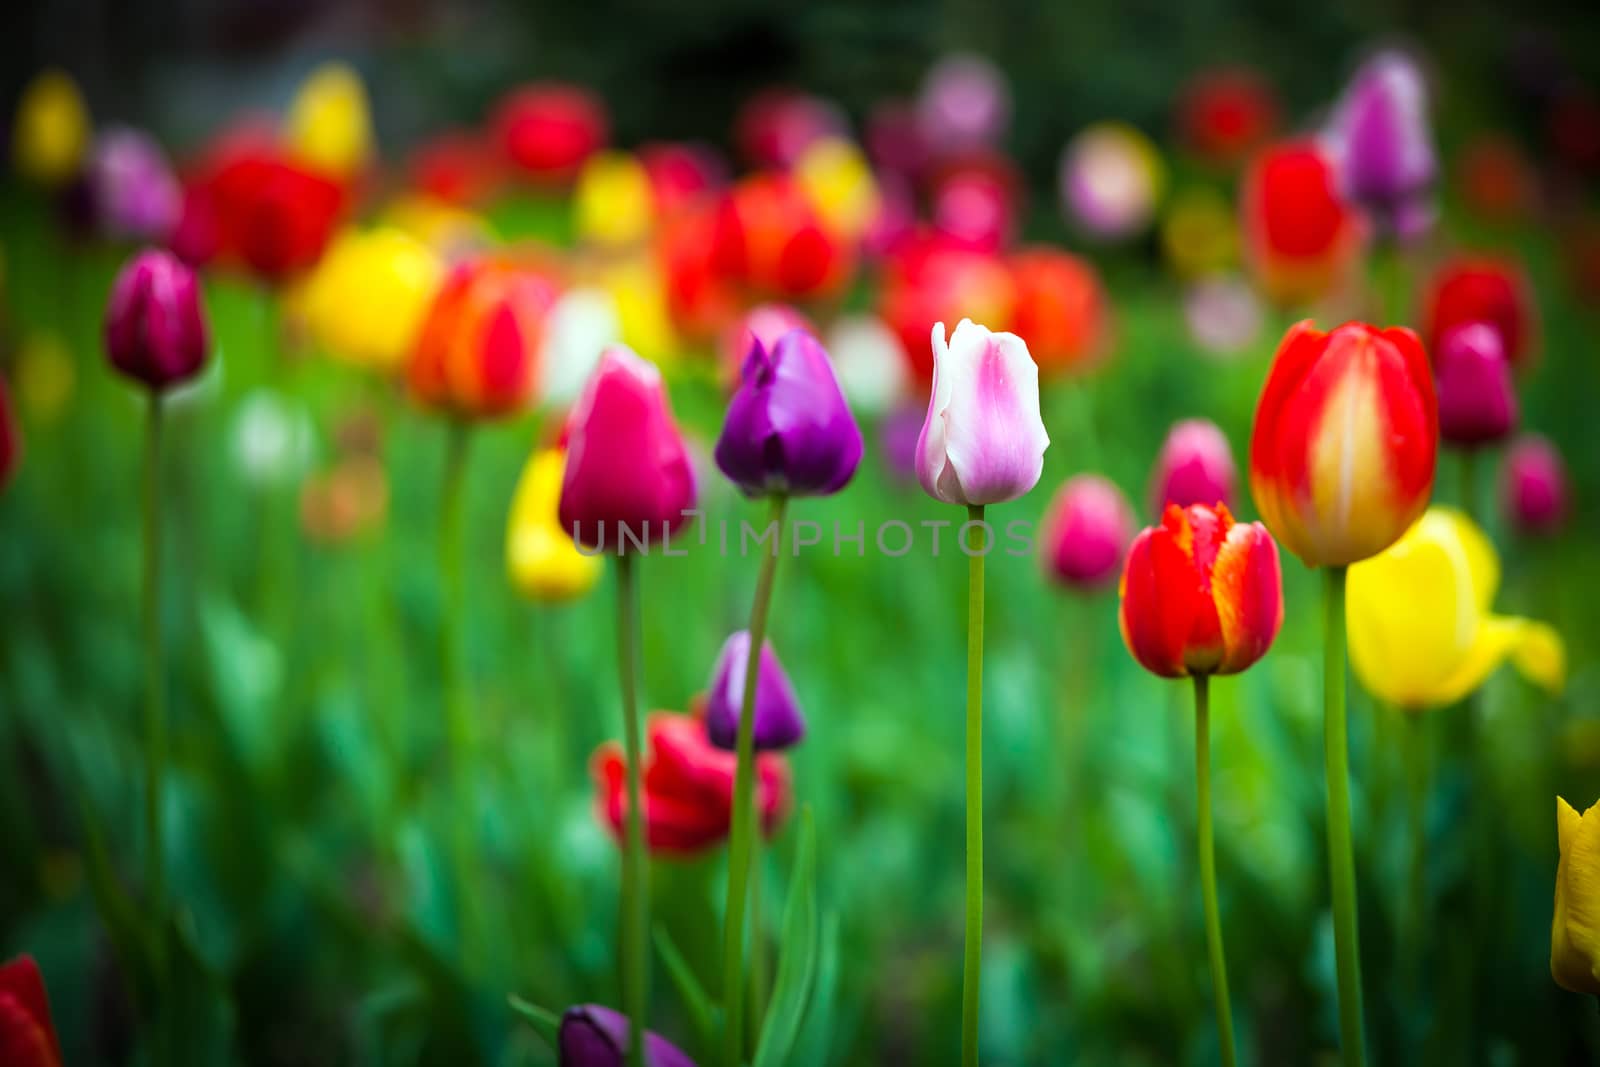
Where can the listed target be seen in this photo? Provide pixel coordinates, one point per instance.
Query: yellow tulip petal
(1541, 656)
(1567, 964)
(1483, 566)
(329, 125)
(542, 561)
(1581, 886)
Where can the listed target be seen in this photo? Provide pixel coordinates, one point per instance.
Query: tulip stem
(635, 875)
(972, 961)
(1469, 483)
(155, 722)
(1341, 849)
(458, 723)
(741, 845)
(1208, 866)
(1417, 777)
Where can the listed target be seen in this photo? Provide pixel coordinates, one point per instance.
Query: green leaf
(544, 1022)
(703, 1013)
(797, 963)
(812, 1048)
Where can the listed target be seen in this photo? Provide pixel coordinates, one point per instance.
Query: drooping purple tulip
(1086, 531)
(155, 323)
(1383, 144)
(778, 722)
(1477, 403)
(789, 429)
(1195, 466)
(133, 192)
(595, 1036)
(1534, 489)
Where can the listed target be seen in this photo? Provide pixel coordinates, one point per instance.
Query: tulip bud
(778, 722)
(613, 204)
(329, 124)
(1111, 177)
(134, 194)
(1086, 531)
(366, 299)
(52, 129)
(628, 475)
(1061, 308)
(1535, 485)
(1482, 290)
(155, 323)
(1477, 403)
(762, 324)
(10, 437)
(1201, 594)
(1383, 146)
(770, 238)
(1345, 441)
(934, 278)
(838, 180)
(27, 1033)
(1195, 466)
(1575, 932)
(543, 562)
(274, 214)
(593, 1036)
(547, 131)
(965, 103)
(788, 428)
(1301, 238)
(983, 440)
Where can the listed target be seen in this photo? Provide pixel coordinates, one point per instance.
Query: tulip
(1345, 441)
(788, 428)
(681, 175)
(1195, 466)
(1477, 403)
(329, 124)
(777, 723)
(1383, 147)
(1201, 593)
(1300, 237)
(275, 215)
(155, 325)
(964, 104)
(762, 324)
(838, 180)
(581, 325)
(983, 440)
(871, 365)
(455, 167)
(1497, 182)
(613, 202)
(627, 467)
(366, 299)
(771, 239)
(1225, 114)
(975, 203)
(933, 278)
(197, 237)
(543, 562)
(775, 128)
(272, 439)
(1482, 289)
(476, 352)
(895, 141)
(639, 292)
(27, 1033)
(688, 784)
(51, 133)
(133, 192)
(594, 1036)
(1421, 631)
(1575, 930)
(10, 437)
(1061, 308)
(548, 131)
(1223, 316)
(1199, 233)
(1535, 485)
(1086, 531)
(701, 299)
(453, 233)
(1111, 178)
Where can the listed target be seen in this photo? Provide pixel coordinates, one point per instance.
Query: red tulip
(776, 127)
(1300, 237)
(1201, 594)
(1225, 114)
(547, 131)
(155, 325)
(477, 349)
(273, 214)
(770, 239)
(687, 786)
(1061, 308)
(681, 175)
(1345, 441)
(933, 279)
(1482, 289)
(701, 300)
(456, 167)
(27, 1035)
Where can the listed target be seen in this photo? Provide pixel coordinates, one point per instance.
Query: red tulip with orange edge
(1301, 238)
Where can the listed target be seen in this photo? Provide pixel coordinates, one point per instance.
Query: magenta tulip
(1535, 486)
(1195, 466)
(155, 324)
(1086, 531)
(1477, 403)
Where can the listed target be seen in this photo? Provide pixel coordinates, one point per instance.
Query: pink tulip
(1086, 531)
(1195, 466)
(1535, 485)
(1477, 403)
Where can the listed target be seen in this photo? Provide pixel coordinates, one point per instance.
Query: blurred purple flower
(898, 434)
(1477, 402)
(133, 191)
(1534, 490)
(965, 103)
(1110, 180)
(778, 722)
(1382, 144)
(1223, 315)
(593, 1036)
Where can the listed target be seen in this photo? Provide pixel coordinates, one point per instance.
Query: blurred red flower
(1482, 289)
(1224, 114)
(547, 131)
(1061, 308)
(27, 1034)
(1300, 236)
(932, 278)
(770, 239)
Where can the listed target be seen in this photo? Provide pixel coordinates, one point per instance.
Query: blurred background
(1075, 172)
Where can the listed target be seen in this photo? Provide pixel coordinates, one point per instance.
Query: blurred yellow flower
(1575, 931)
(52, 129)
(543, 562)
(329, 125)
(1199, 233)
(366, 298)
(639, 290)
(613, 201)
(447, 229)
(46, 377)
(838, 180)
(1421, 632)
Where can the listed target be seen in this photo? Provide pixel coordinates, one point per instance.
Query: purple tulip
(132, 190)
(1383, 146)
(1195, 466)
(1086, 531)
(1477, 403)
(1535, 485)
(593, 1036)
(155, 323)
(898, 434)
(778, 722)
(965, 104)
(789, 429)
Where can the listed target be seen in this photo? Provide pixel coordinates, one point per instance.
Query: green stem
(635, 875)
(457, 713)
(972, 960)
(155, 719)
(1208, 867)
(741, 845)
(758, 941)
(1341, 849)
(1417, 777)
(1469, 483)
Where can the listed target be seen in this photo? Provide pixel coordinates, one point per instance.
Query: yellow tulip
(613, 201)
(366, 298)
(838, 180)
(1575, 931)
(46, 377)
(52, 129)
(1421, 632)
(639, 290)
(543, 562)
(329, 126)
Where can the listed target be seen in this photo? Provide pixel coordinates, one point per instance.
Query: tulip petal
(1582, 884)
(1247, 586)
(1567, 965)
(994, 437)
